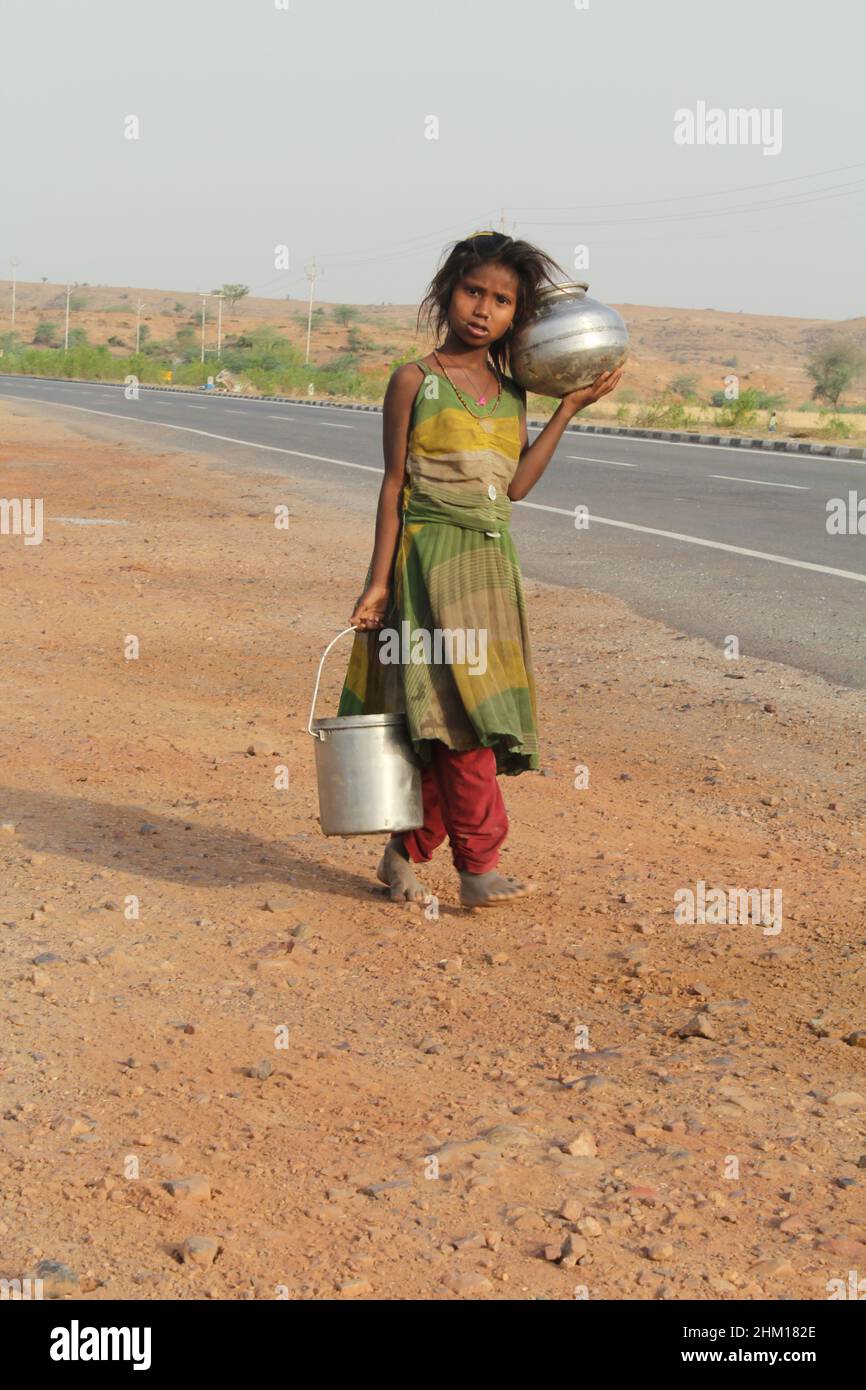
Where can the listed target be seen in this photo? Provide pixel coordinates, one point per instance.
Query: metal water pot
(368, 776)
(569, 341)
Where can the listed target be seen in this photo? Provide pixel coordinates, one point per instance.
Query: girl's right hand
(370, 609)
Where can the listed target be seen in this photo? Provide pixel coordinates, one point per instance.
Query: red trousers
(461, 800)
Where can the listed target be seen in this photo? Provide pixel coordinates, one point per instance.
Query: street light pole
(13, 263)
(139, 307)
(66, 334)
(203, 317)
(312, 275)
(219, 298)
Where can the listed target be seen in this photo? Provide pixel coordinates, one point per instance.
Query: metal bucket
(368, 776)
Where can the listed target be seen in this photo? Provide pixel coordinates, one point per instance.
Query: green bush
(408, 356)
(834, 427)
(761, 400)
(740, 414)
(271, 364)
(46, 333)
(663, 412)
(685, 386)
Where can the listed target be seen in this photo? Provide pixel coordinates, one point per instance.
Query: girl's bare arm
(402, 389)
(535, 457)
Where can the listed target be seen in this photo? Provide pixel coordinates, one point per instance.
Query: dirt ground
(374, 1102)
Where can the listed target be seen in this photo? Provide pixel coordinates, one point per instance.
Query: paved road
(711, 541)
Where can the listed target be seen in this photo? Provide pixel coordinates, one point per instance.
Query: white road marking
(759, 482)
(335, 425)
(700, 540)
(782, 454)
(288, 418)
(195, 407)
(615, 463)
(534, 506)
(570, 435)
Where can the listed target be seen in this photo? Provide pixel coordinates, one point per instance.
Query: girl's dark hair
(534, 272)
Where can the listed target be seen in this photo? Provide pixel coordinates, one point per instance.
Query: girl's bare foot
(396, 872)
(486, 890)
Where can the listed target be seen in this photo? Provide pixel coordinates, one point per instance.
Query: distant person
(456, 456)
(772, 422)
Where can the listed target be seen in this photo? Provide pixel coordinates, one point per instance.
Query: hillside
(766, 351)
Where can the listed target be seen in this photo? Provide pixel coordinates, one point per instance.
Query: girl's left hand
(588, 395)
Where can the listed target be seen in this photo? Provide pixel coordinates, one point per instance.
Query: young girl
(445, 572)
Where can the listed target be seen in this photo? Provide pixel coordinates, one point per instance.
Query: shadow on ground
(174, 849)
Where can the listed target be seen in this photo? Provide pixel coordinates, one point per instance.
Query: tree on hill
(344, 314)
(232, 293)
(833, 366)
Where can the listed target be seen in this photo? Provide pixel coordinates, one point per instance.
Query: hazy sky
(307, 126)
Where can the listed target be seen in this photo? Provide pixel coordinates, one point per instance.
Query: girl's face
(483, 303)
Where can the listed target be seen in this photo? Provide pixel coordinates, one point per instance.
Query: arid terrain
(768, 352)
(232, 1069)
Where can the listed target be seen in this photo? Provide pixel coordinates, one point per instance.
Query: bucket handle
(317, 733)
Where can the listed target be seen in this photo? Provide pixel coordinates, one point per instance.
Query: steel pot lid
(568, 289)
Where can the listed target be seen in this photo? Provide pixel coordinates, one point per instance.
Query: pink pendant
(482, 400)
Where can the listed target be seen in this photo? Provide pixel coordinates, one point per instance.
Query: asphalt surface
(745, 549)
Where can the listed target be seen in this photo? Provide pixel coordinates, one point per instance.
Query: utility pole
(14, 264)
(139, 308)
(312, 274)
(203, 319)
(66, 334)
(219, 298)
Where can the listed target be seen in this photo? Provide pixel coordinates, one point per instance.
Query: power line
(414, 245)
(428, 238)
(718, 193)
(790, 201)
(666, 237)
(368, 255)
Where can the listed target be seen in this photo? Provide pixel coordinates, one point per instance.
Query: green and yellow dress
(456, 569)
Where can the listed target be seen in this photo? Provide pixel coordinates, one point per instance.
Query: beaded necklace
(461, 398)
